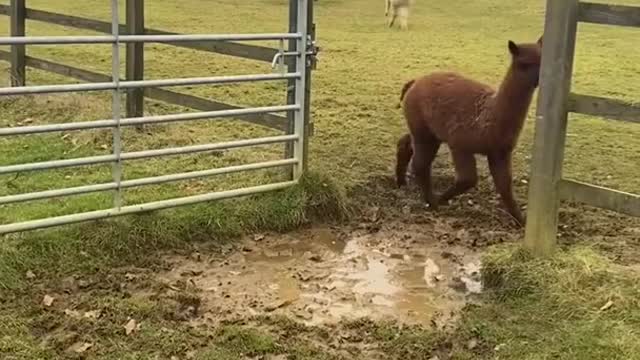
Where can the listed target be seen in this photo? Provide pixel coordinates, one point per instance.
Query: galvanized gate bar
(297, 75)
(102, 39)
(134, 209)
(102, 159)
(116, 105)
(156, 119)
(49, 89)
(156, 180)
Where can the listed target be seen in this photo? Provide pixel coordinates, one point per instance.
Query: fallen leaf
(47, 300)
(472, 344)
(30, 275)
(196, 256)
(499, 347)
(277, 305)
(606, 306)
(94, 314)
(131, 326)
(72, 313)
(80, 347)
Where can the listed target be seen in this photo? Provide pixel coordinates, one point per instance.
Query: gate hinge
(312, 48)
(312, 55)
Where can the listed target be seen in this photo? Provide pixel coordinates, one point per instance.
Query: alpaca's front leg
(500, 166)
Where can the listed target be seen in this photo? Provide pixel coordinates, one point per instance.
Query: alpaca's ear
(513, 48)
(540, 41)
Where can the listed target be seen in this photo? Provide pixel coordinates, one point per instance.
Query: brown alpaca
(471, 118)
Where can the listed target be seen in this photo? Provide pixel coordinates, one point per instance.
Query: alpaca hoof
(432, 204)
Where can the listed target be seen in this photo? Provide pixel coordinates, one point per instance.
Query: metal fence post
(551, 125)
(18, 52)
(135, 57)
(300, 86)
(291, 83)
(308, 124)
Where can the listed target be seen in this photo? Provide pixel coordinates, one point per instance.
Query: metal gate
(301, 51)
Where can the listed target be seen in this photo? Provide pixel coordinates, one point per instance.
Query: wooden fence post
(18, 52)
(551, 124)
(135, 57)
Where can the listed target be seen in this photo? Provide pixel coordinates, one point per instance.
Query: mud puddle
(323, 276)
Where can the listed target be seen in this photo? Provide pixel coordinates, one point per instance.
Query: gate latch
(278, 62)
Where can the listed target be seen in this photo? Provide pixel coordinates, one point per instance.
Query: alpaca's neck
(511, 103)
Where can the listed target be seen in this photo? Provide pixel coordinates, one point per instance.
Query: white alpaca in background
(397, 8)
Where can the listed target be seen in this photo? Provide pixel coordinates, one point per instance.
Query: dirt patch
(389, 271)
(399, 261)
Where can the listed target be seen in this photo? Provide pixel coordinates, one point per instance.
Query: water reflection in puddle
(323, 278)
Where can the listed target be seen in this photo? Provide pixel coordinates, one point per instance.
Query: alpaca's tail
(405, 88)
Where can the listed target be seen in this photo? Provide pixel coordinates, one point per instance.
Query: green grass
(537, 309)
(560, 300)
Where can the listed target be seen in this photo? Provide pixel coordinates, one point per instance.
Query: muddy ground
(323, 275)
(399, 261)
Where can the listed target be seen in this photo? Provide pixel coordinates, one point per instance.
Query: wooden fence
(547, 187)
(135, 25)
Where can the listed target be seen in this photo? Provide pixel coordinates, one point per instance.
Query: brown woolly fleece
(471, 118)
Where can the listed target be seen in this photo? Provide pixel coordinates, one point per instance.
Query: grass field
(541, 309)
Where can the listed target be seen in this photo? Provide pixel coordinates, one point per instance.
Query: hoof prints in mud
(321, 276)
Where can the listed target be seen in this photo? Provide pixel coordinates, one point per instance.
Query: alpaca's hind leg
(403, 157)
(466, 175)
(403, 14)
(500, 166)
(425, 149)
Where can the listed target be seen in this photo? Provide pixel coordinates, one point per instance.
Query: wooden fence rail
(547, 187)
(135, 16)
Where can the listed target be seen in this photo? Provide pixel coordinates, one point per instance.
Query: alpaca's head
(526, 60)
